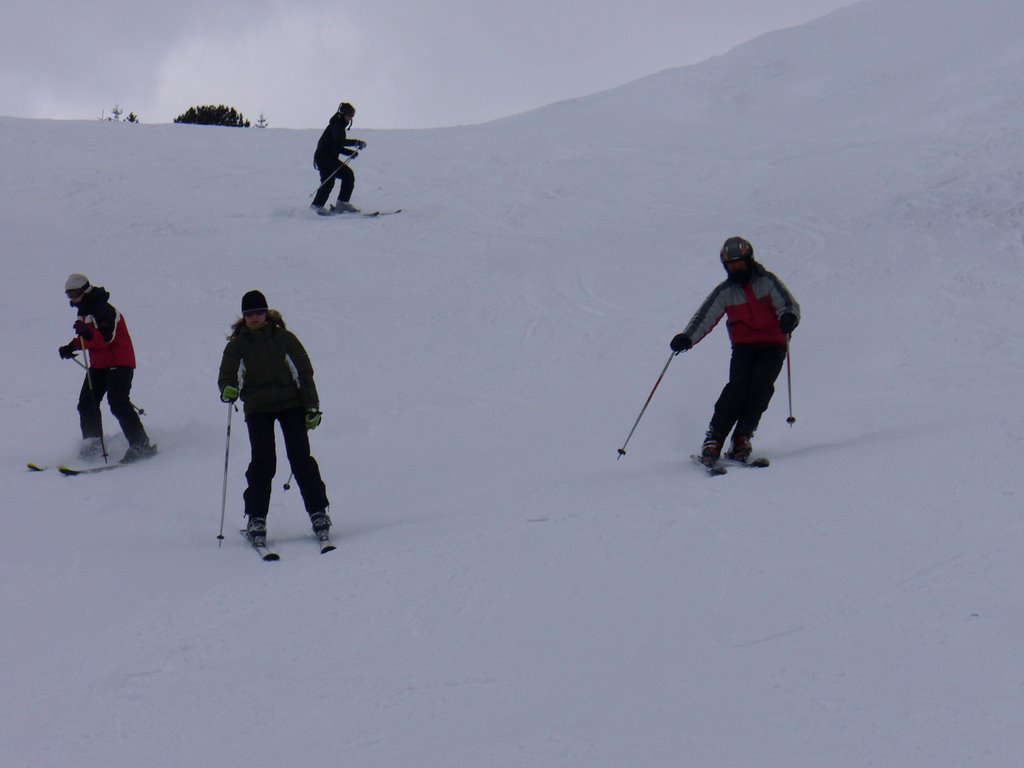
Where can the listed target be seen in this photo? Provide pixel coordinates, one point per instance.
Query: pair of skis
(69, 472)
(368, 214)
(720, 467)
(266, 553)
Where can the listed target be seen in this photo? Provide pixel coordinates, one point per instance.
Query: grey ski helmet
(737, 249)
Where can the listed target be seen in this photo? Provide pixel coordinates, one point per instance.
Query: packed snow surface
(505, 592)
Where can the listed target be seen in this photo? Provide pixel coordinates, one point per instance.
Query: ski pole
(789, 385)
(92, 396)
(224, 491)
(622, 450)
(288, 483)
(346, 161)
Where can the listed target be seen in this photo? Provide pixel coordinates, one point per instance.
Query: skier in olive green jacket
(268, 367)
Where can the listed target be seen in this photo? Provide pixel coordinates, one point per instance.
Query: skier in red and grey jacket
(761, 314)
(102, 332)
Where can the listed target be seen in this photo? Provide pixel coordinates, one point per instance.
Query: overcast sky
(403, 63)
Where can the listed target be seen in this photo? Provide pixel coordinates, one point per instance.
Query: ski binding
(713, 470)
(262, 550)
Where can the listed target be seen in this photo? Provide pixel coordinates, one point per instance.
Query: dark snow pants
(116, 384)
(345, 174)
(752, 374)
(263, 464)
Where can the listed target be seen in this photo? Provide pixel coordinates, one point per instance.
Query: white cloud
(404, 64)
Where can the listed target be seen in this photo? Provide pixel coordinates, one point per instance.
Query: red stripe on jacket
(754, 321)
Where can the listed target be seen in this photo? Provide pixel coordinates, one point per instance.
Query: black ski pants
(752, 374)
(116, 384)
(345, 174)
(263, 464)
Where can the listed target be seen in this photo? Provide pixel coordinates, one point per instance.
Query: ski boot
(711, 451)
(741, 448)
(321, 522)
(139, 451)
(90, 448)
(256, 530)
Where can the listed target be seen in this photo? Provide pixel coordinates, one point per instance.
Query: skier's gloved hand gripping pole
(622, 450)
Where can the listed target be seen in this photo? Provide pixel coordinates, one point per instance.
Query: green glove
(229, 395)
(313, 417)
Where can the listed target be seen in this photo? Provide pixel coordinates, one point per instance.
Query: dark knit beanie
(253, 301)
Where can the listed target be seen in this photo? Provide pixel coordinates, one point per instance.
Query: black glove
(788, 322)
(681, 342)
(82, 329)
(67, 352)
(360, 144)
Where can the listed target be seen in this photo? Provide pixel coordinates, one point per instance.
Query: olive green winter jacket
(271, 368)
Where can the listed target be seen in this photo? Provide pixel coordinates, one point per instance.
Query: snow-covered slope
(506, 593)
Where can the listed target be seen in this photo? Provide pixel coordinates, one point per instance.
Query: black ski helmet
(736, 249)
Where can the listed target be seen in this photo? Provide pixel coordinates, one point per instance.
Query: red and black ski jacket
(110, 345)
(753, 310)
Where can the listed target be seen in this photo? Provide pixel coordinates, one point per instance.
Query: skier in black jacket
(334, 142)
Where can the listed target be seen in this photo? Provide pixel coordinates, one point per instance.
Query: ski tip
(327, 548)
(271, 557)
(67, 471)
(35, 467)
